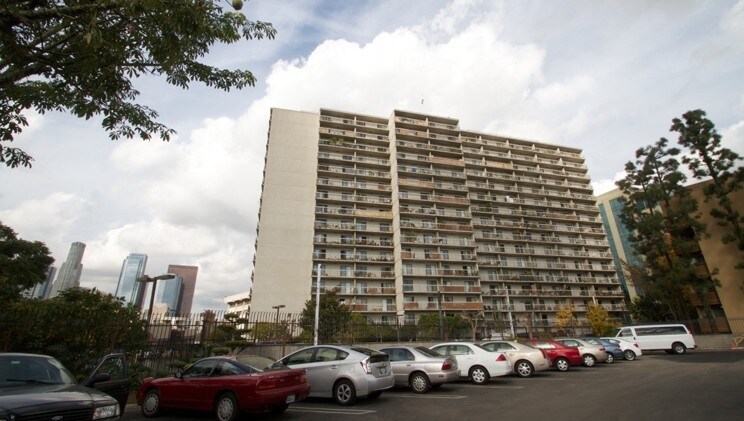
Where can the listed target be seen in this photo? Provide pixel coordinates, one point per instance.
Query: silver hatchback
(343, 373)
(421, 368)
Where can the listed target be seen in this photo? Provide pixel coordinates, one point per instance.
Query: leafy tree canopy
(23, 264)
(78, 327)
(333, 317)
(82, 57)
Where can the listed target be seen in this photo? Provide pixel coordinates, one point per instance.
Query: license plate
(290, 398)
(383, 370)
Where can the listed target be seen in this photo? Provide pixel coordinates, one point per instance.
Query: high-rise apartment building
(618, 234)
(128, 288)
(410, 214)
(188, 282)
(69, 273)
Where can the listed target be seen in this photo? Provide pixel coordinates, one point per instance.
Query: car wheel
(589, 360)
(610, 358)
(478, 375)
(524, 368)
(151, 403)
(679, 348)
(226, 408)
(279, 409)
(344, 392)
(629, 355)
(562, 364)
(419, 383)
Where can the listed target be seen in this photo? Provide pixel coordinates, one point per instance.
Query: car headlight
(104, 412)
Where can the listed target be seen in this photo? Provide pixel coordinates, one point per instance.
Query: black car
(39, 387)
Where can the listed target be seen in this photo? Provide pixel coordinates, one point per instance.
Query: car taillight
(601, 348)
(545, 355)
(267, 383)
(447, 365)
(303, 378)
(501, 358)
(365, 366)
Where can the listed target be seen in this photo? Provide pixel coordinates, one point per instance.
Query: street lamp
(276, 324)
(147, 279)
(280, 306)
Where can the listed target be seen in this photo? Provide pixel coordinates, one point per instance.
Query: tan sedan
(524, 359)
(591, 354)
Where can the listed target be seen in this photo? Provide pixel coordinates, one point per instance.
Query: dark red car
(225, 386)
(561, 356)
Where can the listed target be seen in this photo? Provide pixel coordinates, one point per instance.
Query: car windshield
(31, 369)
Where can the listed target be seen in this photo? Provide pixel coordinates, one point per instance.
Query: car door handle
(333, 367)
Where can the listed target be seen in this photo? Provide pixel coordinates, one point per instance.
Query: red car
(225, 386)
(561, 356)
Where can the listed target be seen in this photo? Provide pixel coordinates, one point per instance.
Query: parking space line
(336, 411)
(490, 386)
(413, 395)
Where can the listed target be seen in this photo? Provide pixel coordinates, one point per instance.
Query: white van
(672, 338)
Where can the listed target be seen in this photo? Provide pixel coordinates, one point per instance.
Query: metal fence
(174, 340)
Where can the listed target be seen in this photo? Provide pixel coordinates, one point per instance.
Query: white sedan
(475, 363)
(630, 350)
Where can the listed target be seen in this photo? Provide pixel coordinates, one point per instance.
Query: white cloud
(602, 186)
(48, 219)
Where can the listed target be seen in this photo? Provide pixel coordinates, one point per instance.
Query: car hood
(21, 396)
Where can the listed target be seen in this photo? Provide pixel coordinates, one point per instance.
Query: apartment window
(320, 238)
(346, 183)
(465, 255)
(361, 226)
(445, 255)
(431, 286)
(361, 185)
(430, 270)
(345, 254)
(388, 305)
(362, 255)
(442, 239)
(362, 287)
(361, 270)
(345, 239)
(323, 181)
(384, 227)
(344, 271)
(319, 254)
(428, 239)
(322, 195)
(408, 269)
(407, 285)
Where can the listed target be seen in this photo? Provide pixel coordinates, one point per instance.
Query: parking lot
(698, 385)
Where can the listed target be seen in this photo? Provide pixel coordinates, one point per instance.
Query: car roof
(23, 354)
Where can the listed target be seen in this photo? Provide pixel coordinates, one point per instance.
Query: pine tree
(711, 160)
(661, 214)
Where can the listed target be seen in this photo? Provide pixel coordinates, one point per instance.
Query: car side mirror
(97, 378)
(178, 374)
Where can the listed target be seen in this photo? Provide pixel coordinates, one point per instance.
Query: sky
(604, 76)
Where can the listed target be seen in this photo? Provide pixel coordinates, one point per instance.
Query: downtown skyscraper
(410, 214)
(128, 287)
(71, 270)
